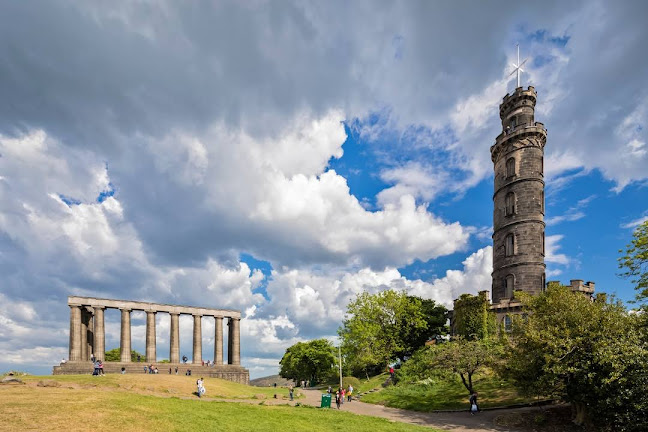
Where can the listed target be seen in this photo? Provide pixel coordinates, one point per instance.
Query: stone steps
(227, 372)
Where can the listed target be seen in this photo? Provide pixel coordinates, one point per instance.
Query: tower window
(508, 324)
(543, 243)
(513, 122)
(510, 167)
(510, 204)
(544, 282)
(509, 245)
(542, 208)
(510, 286)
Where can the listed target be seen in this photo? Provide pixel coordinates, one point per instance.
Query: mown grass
(166, 385)
(446, 394)
(81, 405)
(372, 383)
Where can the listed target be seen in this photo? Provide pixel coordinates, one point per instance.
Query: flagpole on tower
(518, 67)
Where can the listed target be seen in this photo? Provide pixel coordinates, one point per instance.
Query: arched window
(509, 245)
(510, 167)
(542, 202)
(513, 122)
(543, 243)
(542, 165)
(508, 323)
(510, 204)
(510, 286)
(544, 282)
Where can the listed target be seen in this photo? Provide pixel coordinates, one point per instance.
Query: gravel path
(452, 421)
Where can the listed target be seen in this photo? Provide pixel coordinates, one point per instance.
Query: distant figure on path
(337, 399)
(123, 370)
(176, 370)
(329, 390)
(101, 371)
(474, 407)
(92, 357)
(290, 392)
(349, 392)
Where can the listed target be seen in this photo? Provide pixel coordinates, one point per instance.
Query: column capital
(151, 312)
(199, 315)
(125, 309)
(99, 307)
(73, 305)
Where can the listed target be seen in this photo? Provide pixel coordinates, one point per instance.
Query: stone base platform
(232, 373)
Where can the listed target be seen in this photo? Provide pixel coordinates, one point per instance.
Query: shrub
(355, 382)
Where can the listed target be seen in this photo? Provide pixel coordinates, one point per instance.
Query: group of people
(342, 393)
(151, 369)
(98, 368)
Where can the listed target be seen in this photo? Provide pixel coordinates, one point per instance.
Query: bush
(355, 382)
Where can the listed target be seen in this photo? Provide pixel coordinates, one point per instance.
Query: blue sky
(280, 158)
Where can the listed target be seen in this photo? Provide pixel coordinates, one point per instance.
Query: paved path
(453, 421)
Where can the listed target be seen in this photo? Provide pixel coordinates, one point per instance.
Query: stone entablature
(152, 307)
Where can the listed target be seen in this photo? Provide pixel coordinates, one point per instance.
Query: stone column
(236, 342)
(75, 332)
(151, 355)
(84, 334)
(99, 334)
(174, 351)
(230, 330)
(125, 343)
(90, 337)
(197, 340)
(218, 341)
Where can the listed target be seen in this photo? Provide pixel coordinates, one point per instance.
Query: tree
(114, 355)
(311, 361)
(471, 318)
(378, 327)
(588, 353)
(435, 317)
(466, 358)
(635, 260)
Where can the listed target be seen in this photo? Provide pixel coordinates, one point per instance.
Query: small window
(542, 165)
(544, 282)
(510, 167)
(509, 245)
(513, 122)
(543, 243)
(542, 202)
(508, 324)
(510, 204)
(510, 286)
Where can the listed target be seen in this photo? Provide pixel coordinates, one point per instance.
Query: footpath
(451, 421)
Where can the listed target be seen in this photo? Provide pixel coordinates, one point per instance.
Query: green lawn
(372, 383)
(117, 403)
(446, 394)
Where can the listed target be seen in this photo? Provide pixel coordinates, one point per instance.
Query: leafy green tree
(114, 355)
(472, 319)
(466, 358)
(313, 361)
(435, 317)
(588, 353)
(635, 260)
(378, 327)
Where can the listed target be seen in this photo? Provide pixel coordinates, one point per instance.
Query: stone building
(518, 207)
(518, 203)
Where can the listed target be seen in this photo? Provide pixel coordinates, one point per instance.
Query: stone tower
(518, 213)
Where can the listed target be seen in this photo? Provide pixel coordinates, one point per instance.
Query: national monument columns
(88, 336)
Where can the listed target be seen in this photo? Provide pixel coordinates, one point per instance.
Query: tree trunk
(579, 418)
(467, 385)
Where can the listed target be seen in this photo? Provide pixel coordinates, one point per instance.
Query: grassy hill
(446, 394)
(163, 402)
(270, 380)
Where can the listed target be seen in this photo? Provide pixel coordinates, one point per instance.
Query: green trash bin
(326, 401)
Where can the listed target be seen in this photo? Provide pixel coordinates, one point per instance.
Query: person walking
(337, 399)
(474, 407)
(349, 392)
(290, 392)
(342, 393)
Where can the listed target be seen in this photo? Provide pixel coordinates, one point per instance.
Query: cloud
(573, 213)
(634, 223)
(552, 256)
